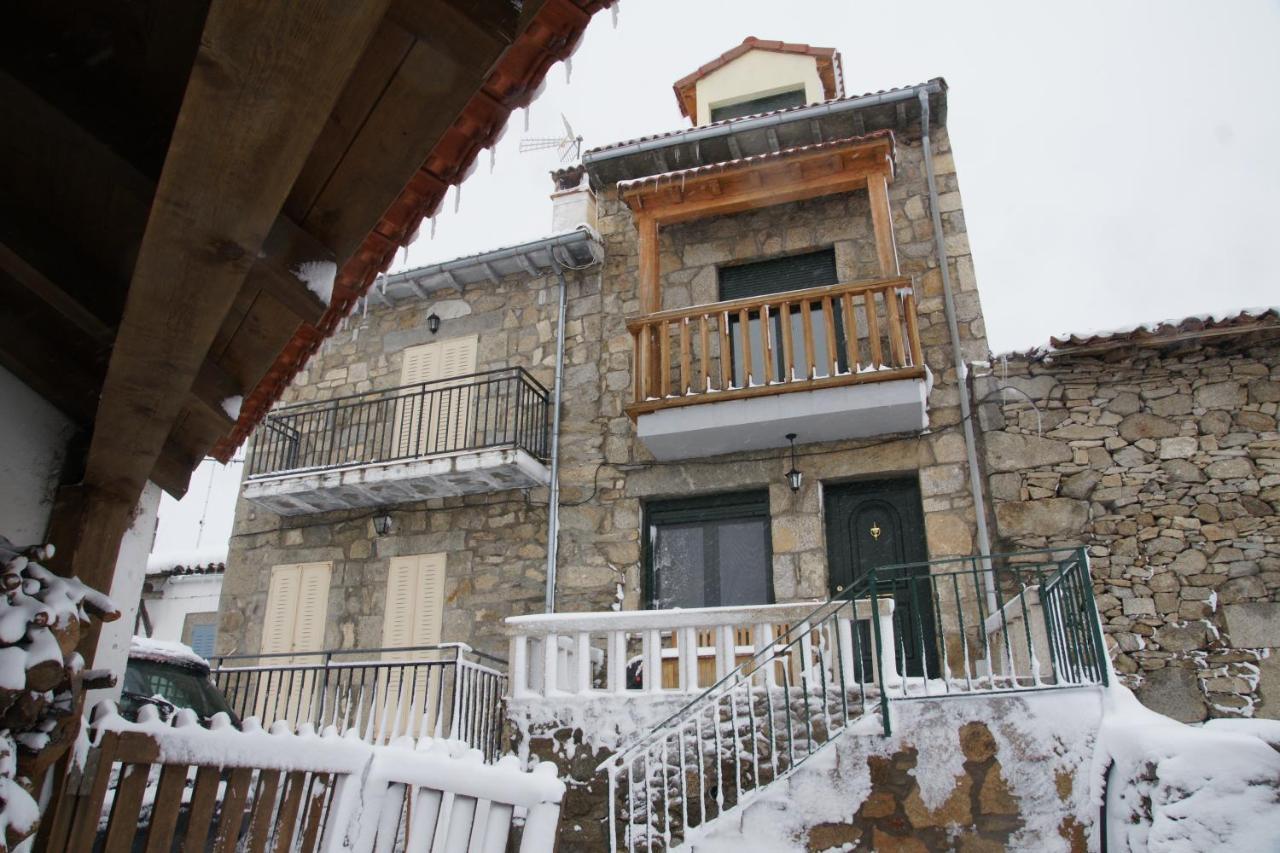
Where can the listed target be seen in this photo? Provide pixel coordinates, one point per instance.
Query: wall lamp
(433, 323)
(382, 523)
(795, 478)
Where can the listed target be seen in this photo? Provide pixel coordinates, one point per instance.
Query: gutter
(582, 234)
(948, 300)
(716, 131)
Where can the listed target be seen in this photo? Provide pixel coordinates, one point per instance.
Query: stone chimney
(573, 203)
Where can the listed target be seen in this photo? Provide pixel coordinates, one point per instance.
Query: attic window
(764, 104)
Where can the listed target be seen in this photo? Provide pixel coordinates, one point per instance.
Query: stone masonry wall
(1166, 464)
(496, 544)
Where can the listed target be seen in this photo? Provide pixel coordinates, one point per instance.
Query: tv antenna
(569, 146)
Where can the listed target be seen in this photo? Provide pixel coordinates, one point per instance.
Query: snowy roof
(192, 561)
(1156, 333)
(577, 248)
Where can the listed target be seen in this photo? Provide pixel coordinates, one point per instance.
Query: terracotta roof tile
(1159, 332)
(828, 69)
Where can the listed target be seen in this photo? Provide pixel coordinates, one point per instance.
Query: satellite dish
(568, 146)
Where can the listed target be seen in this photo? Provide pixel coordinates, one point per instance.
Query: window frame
(718, 506)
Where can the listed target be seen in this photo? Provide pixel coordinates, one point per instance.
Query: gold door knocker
(875, 530)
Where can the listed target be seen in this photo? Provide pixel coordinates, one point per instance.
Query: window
(778, 275)
(202, 639)
(767, 103)
(435, 421)
(710, 551)
(297, 601)
(415, 603)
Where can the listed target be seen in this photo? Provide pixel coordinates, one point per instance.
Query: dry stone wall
(1165, 463)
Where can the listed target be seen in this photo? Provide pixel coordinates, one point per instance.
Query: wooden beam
(262, 85)
(650, 281)
(52, 294)
(882, 224)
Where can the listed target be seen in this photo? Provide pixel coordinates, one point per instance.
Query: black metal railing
(381, 694)
(496, 408)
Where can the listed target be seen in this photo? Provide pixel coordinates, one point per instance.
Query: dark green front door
(874, 523)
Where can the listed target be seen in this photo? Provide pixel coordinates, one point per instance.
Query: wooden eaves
(173, 167)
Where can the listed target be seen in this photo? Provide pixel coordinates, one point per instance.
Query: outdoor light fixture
(433, 323)
(382, 524)
(794, 477)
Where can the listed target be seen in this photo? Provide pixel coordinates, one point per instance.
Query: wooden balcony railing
(798, 340)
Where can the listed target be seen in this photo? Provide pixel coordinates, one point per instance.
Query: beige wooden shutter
(414, 611)
(282, 605)
(435, 422)
(429, 600)
(313, 606)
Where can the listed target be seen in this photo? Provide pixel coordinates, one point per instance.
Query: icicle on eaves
(493, 157)
(526, 116)
(433, 226)
(568, 70)
(614, 10)
(457, 197)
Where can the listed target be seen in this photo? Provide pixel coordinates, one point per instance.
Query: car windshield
(178, 685)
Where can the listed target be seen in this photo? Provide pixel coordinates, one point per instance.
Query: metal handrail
(504, 407)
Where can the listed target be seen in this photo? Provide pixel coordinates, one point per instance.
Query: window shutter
(777, 275)
(282, 603)
(765, 104)
(415, 602)
(429, 600)
(296, 603)
(437, 422)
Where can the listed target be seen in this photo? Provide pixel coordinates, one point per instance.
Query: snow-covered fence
(224, 789)
(659, 652)
(381, 694)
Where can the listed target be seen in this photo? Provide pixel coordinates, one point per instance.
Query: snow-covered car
(170, 676)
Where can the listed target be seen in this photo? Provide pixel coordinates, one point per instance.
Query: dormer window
(763, 104)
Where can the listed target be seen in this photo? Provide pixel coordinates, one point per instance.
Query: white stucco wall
(126, 591)
(754, 74)
(182, 595)
(33, 442)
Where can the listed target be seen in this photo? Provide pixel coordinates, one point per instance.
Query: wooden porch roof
(171, 166)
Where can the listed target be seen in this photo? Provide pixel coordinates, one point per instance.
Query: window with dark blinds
(769, 103)
(794, 272)
(710, 551)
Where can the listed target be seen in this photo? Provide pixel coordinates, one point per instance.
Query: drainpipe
(553, 500)
(966, 419)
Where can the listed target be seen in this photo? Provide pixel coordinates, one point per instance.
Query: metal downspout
(966, 419)
(553, 498)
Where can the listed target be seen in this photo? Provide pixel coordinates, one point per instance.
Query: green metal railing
(962, 626)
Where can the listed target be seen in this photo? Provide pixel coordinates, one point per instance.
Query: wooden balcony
(799, 361)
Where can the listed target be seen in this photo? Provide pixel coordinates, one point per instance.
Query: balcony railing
(381, 694)
(797, 340)
(496, 408)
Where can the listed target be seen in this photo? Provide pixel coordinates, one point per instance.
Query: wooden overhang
(810, 171)
(170, 170)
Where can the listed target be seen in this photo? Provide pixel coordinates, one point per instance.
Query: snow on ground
(1182, 789)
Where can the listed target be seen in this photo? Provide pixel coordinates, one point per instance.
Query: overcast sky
(1118, 160)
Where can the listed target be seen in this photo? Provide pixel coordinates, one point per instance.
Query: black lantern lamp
(794, 477)
(433, 323)
(382, 523)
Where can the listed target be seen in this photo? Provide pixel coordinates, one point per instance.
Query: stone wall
(496, 543)
(981, 773)
(1166, 464)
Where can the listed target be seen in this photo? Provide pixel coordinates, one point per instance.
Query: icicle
(457, 197)
(568, 70)
(433, 226)
(493, 157)
(614, 10)
(526, 118)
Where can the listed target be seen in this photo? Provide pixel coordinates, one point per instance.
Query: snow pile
(1181, 788)
(231, 405)
(318, 276)
(162, 651)
(42, 616)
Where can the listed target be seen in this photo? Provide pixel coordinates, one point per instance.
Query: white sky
(1117, 160)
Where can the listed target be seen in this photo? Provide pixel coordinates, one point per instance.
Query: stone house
(833, 191)
(1157, 448)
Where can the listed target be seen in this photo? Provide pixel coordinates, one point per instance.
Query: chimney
(573, 203)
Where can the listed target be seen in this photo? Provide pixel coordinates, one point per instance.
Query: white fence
(663, 651)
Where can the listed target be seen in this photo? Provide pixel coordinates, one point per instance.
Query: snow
(162, 651)
(1180, 788)
(188, 558)
(231, 405)
(1152, 327)
(318, 276)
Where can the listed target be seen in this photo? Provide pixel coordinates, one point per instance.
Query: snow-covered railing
(381, 694)
(653, 652)
(793, 340)
(221, 789)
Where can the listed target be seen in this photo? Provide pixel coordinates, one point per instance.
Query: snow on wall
(1039, 739)
(33, 437)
